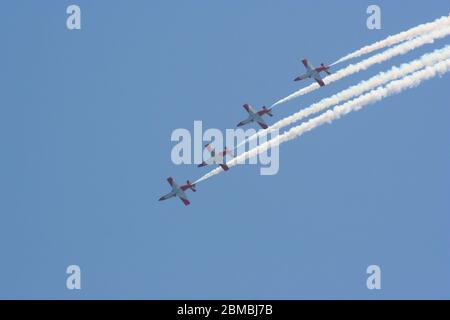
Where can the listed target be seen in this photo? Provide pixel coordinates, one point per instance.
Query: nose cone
(297, 79)
(161, 199)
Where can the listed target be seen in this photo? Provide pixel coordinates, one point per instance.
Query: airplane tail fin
(228, 151)
(326, 68)
(224, 167)
(203, 164)
(191, 186)
(268, 111)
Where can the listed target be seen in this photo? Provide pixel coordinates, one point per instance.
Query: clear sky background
(85, 124)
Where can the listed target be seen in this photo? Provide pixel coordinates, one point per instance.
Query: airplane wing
(211, 150)
(185, 200)
(248, 108)
(319, 80)
(307, 65)
(262, 124)
(209, 147)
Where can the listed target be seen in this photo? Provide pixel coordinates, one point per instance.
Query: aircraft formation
(384, 84)
(253, 116)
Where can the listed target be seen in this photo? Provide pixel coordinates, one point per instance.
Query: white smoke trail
(400, 49)
(381, 78)
(397, 38)
(393, 87)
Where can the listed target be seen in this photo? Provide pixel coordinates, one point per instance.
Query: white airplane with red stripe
(178, 191)
(216, 158)
(256, 116)
(313, 73)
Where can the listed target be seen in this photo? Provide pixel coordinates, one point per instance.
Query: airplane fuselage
(253, 116)
(313, 73)
(176, 192)
(171, 194)
(218, 159)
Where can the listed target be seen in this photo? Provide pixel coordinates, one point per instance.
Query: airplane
(217, 158)
(314, 73)
(256, 116)
(178, 191)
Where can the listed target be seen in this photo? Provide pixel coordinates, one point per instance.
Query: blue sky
(85, 125)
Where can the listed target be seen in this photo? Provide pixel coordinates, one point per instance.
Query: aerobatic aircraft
(216, 157)
(313, 73)
(178, 191)
(254, 116)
